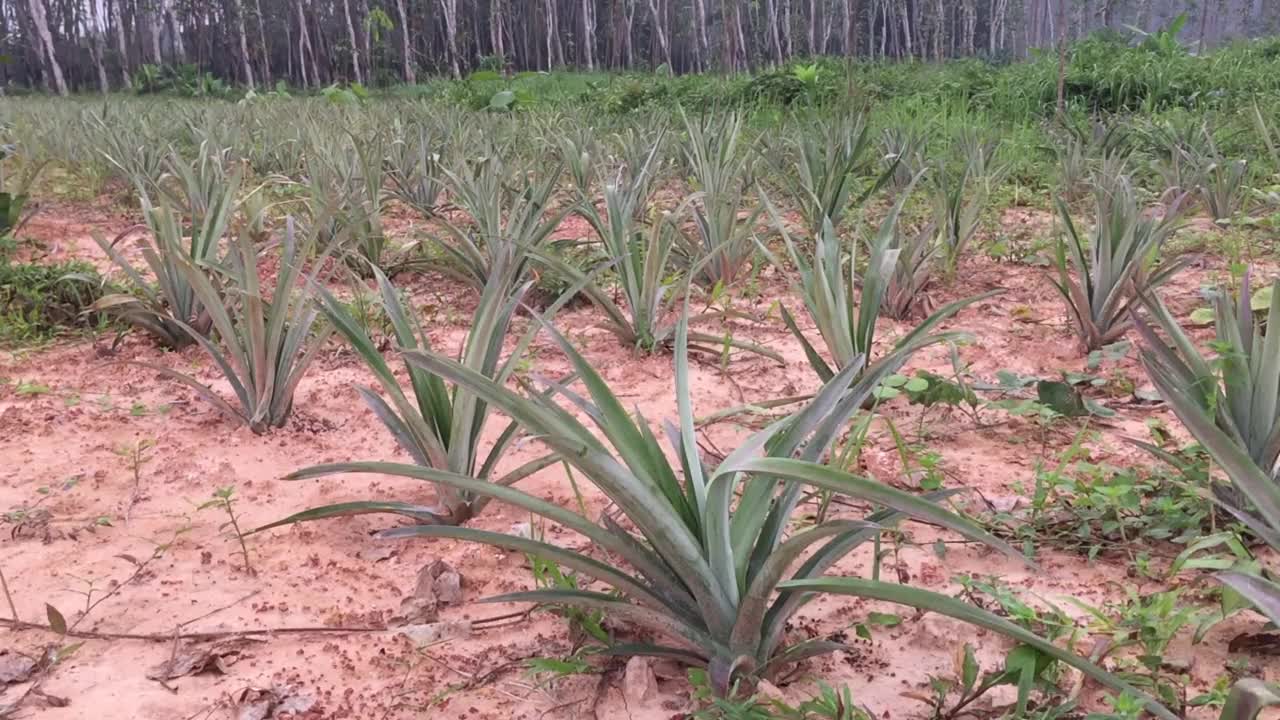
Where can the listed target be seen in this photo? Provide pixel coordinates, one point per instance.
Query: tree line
(85, 45)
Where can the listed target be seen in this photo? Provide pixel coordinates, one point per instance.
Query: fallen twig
(169, 637)
(13, 610)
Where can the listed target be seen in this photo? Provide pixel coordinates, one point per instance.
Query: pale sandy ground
(335, 575)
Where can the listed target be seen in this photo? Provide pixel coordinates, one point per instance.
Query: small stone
(768, 690)
(447, 583)
(639, 686)
(435, 632)
(1005, 503)
(377, 553)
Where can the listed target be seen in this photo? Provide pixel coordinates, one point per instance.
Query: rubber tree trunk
(355, 45)
(661, 33)
(245, 65)
(40, 22)
(121, 46)
(406, 55)
(450, 8)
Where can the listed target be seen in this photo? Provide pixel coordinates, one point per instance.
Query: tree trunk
(40, 22)
(246, 65)
(121, 47)
(97, 47)
(355, 45)
(179, 49)
(1204, 18)
(905, 18)
(153, 22)
(771, 28)
(1062, 59)
(366, 40)
(702, 47)
(786, 29)
(406, 53)
(589, 34)
(812, 35)
(660, 33)
(450, 8)
(848, 43)
(305, 51)
(496, 25)
(263, 48)
(555, 49)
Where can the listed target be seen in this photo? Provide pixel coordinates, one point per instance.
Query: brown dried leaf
(194, 661)
(15, 668)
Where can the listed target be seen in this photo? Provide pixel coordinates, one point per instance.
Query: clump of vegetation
(39, 301)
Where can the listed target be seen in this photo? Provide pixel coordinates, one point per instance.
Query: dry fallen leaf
(193, 661)
(15, 668)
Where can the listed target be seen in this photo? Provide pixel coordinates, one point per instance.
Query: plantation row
(708, 550)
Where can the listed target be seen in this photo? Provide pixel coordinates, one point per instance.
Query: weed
(224, 499)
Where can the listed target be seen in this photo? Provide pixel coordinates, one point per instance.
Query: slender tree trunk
(702, 48)
(771, 28)
(905, 18)
(786, 29)
(179, 48)
(406, 52)
(628, 37)
(555, 48)
(97, 47)
(1062, 59)
(450, 8)
(121, 46)
(366, 40)
(153, 19)
(743, 56)
(355, 45)
(263, 48)
(589, 33)
(812, 35)
(1204, 18)
(661, 34)
(40, 22)
(496, 25)
(246, 65)
(848, 44)
(305, 51)
(288, 56)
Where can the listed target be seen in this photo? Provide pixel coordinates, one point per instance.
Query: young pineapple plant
(269, 340)
(512, 216)
(414, 157)
(439, 426)
(188, 213)
(843, 305)
(1231, 405)
(832, 158)
(1101, 277)
(346, 195)
(639, 254)
(959, 191)
(701, 561)
(723, 242)
(913, 272)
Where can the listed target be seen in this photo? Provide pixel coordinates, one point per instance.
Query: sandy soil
(116, 461)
